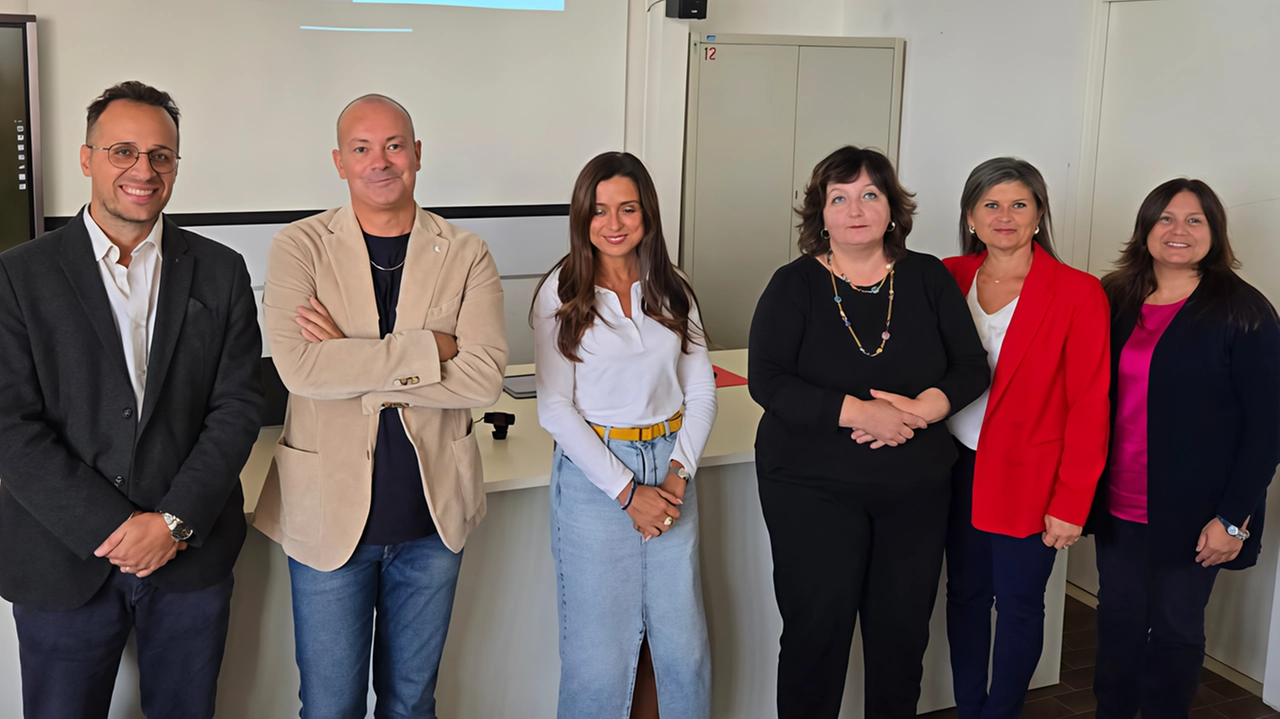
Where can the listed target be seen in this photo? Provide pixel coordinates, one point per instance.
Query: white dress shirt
(966, 425)
(132, 291)
(632, 374)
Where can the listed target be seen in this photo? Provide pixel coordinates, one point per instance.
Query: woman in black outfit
(1194, 444)
(855, 491)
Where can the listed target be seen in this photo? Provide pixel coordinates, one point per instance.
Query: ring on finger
(669, 521)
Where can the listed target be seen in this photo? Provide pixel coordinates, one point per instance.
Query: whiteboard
(509, 104)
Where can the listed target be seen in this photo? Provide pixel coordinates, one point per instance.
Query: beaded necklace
(884, 336)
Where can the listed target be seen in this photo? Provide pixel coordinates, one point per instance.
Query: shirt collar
(104, 248)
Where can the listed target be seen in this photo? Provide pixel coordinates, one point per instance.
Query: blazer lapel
(86, 279)
(176, 271)
(422, 266)
(349, 259)
(1033, 304)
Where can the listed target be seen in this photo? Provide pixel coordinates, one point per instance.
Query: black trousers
(1150, 628)
(70, 659)
(844, 551)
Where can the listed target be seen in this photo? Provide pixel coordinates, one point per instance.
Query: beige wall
(13, 6)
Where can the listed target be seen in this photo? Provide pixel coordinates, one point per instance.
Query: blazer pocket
(444, 317)
(300, 497)
(466, 457)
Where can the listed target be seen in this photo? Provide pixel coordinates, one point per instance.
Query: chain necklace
(387, 269)
(884, 336)
(871, 290)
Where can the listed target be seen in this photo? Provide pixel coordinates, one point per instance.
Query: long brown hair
(998, 171)
(665, 294)
(1134, 278)
(844, 165)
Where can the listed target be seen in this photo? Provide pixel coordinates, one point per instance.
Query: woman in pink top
(1195, 442)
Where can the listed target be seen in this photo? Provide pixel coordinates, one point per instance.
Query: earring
(892, 226)
(972, 231)
(1037, 230)
(824, 234)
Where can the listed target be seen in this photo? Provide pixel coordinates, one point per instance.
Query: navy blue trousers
(1150, 628)
(70, 659)
(985, 569)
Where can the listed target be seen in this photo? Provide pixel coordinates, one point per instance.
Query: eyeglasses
(124, 155)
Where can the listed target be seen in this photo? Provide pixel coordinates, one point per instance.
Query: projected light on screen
(491, 4)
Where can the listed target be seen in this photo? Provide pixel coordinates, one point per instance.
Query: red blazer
(1044, 436)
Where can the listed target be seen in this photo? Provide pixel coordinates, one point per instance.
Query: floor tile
(1249, 707)
(1207, 697)
(1078, 701)
(1078, 678)
(1204, 713)
(1049, 691)
(1082, 639)
(1228, 689)
(1045, 709)
(1078, 616)
(1078, 658)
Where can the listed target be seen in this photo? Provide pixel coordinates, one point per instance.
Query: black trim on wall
(284, 217)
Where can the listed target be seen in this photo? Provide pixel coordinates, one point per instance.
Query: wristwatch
(1233, 530)
(683, 473)
(178, 529)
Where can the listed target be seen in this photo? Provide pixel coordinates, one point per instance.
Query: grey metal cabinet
(762, 111)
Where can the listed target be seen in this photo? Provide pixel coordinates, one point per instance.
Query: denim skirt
(613, 589)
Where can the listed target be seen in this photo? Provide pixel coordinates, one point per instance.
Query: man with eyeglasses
(130, 396)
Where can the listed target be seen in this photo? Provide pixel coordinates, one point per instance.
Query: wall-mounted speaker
(687, 9)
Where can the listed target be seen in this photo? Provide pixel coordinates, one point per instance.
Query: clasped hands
(141, 545)
(317, 326)
(890, 419)
(651, 506)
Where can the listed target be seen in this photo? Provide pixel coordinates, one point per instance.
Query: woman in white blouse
(626, 388)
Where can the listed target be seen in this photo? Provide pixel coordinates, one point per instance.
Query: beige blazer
(316, 498)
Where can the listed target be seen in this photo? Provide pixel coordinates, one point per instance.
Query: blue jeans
(394, 601)
(983, 568)
(614, 588)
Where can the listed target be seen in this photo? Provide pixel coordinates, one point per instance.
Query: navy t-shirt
(398, 511)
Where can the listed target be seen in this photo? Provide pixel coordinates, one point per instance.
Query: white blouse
(966, 425)
(632, 374)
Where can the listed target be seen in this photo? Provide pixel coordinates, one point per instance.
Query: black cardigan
(1213, 425)
(803, 361)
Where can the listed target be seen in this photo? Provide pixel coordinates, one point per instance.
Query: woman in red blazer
(1032, 449)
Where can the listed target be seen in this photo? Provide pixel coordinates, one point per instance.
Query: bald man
(386, 325)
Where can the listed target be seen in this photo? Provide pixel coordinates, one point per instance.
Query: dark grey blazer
(77, 457)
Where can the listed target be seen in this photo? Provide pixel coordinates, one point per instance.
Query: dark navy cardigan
(1213, 425)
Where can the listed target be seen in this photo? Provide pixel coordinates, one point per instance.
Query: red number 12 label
(710, 52)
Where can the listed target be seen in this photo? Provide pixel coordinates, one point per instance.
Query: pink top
(1128, 463)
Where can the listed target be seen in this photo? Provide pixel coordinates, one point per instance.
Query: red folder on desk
(725, 378)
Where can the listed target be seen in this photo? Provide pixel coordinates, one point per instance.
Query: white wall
(17, 7)
(984, 78)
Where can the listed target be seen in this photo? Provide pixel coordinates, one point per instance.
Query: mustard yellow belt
(641, 434)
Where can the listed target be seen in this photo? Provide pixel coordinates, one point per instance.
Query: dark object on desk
(500, 421)
(520, 386)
